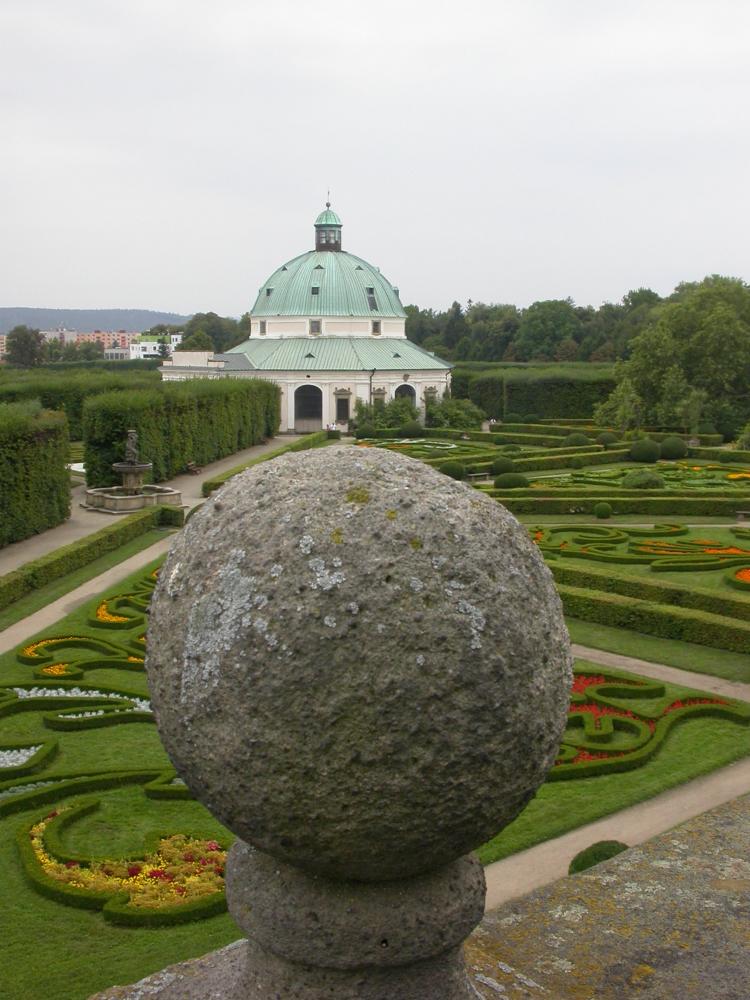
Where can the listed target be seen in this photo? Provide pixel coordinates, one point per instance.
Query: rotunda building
(329, 329)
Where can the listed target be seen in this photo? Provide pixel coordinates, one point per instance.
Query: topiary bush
(532, 418)
(602, 850)
(603, 510)
(512, 418)
(645, 450)
(509, 481)
(576, 462)
(576, 439)
(607, 439)
(643, 479)
(512, 448)
(501, 465)
(453, 469)
(673, 448)
(365, 431)
(411, 430)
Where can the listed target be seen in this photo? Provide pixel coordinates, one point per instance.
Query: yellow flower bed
(181, 870)
(103, 614)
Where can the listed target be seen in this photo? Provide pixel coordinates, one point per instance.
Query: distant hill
(130, 320)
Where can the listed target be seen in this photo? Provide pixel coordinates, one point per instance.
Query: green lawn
(685, 655)
(58, 588)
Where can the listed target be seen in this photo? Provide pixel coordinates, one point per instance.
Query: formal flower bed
(180, 870)
(617, 724)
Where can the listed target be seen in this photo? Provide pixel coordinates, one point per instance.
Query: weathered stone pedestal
(361, 668)
(312, 937)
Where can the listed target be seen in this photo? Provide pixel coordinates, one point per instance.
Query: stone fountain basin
(119, 500)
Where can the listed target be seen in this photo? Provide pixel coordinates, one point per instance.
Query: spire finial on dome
(328, 198)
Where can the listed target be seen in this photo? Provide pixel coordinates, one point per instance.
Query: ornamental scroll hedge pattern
(179, 877)
(617, 723)
(663, 548)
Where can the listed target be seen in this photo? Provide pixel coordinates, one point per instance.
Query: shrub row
(665, 621)
(308, 441)
(659, 593)
(178, 423)
(567, 394)
(721, 455)
(650, 506)
(67, 391)
(561, 459)
(34, 480)
(39, 572)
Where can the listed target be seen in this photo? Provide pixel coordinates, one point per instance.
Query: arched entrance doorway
(308, 409)
(406, 391)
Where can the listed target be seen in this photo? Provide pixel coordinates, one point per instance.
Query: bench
(193, 469)
(743, 515)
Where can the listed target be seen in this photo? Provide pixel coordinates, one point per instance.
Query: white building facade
(329, 329)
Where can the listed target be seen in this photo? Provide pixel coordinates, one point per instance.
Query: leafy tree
(198, 341)
(674, 390)
(90, 351)
(222, 331)
(703, 332)
(163, 349)
(623, 408)
(544, 325)
(397, 413)
(24, 347)
(454, 413)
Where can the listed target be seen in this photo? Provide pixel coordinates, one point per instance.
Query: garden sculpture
(361, 668)
(131, 447)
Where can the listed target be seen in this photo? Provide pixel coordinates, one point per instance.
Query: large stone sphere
(357, 664)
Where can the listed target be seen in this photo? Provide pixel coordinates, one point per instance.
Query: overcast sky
(170, 154)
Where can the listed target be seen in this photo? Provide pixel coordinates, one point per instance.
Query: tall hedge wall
(67, 390)
(565, 392)
(178, 423)
(34, 482)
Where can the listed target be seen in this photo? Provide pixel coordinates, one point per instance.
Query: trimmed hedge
(657, 592)
(578, 503)
(561, 393)
(34, 480)
(721, 455)
(560, 459)
(68, 390)
(308, 441)
(665, 621)
(178, 423)
(39, 572)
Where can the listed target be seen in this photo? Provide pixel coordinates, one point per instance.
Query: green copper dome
(328, 217)
(321, 283)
